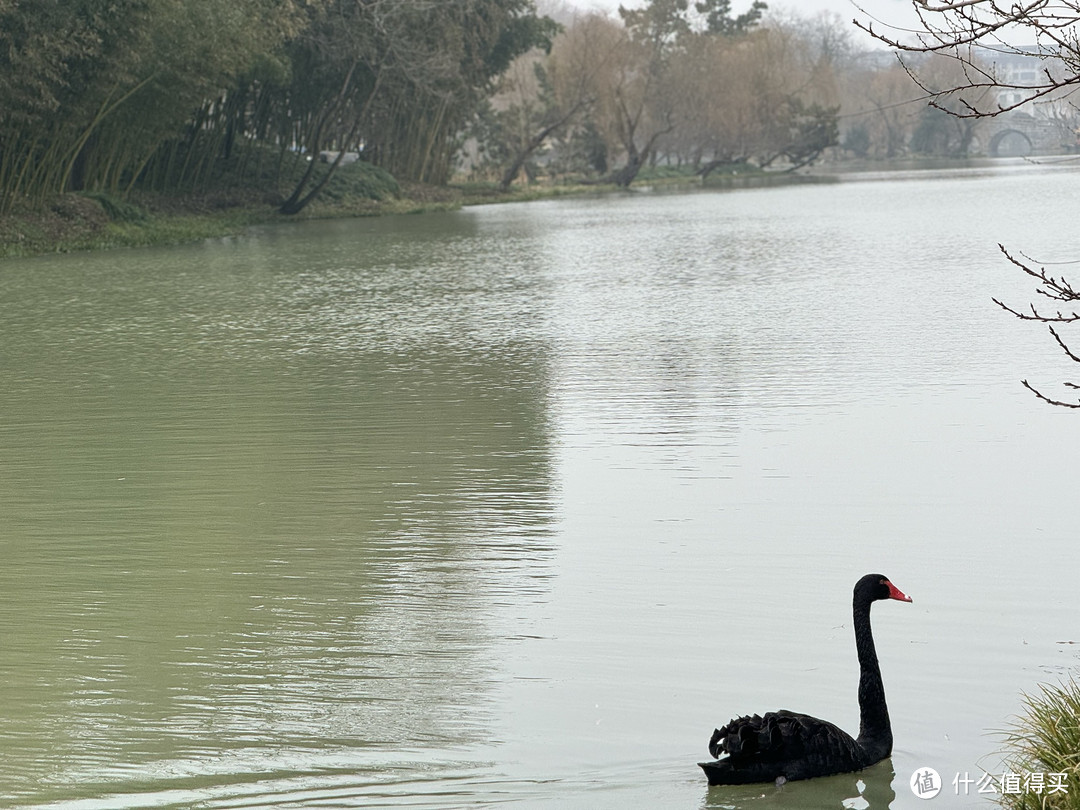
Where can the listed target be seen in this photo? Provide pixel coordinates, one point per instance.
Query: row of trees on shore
(173, 95)
(164, 93)
(694, 83)
(697, 84)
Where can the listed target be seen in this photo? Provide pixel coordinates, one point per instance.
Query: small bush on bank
(361, 180)
(116, 209)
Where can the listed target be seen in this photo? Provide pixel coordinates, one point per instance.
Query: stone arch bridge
(1018, 134)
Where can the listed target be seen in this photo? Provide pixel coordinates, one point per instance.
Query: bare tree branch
(954, 29)
(1057, 289)
(1065, 348)
(1050, 400)
(969, 30)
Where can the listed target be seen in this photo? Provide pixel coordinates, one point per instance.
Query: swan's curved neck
(875, 730)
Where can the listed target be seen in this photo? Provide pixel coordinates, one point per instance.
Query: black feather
(788, 746)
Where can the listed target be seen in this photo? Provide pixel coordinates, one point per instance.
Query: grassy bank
(1045, 740)
(93, 221)
(75, 222)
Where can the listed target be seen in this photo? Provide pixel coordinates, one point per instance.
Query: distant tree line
(696, 84)
(174, 96)
(690, 83)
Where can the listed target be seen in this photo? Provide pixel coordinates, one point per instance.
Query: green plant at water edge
(361, 180)
(118, 210)
(1046, 740)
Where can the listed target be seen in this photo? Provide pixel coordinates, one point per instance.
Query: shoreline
(76, 222)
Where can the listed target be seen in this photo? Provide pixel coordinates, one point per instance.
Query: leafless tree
(955, 28)
(1060, 291)
(969, 30)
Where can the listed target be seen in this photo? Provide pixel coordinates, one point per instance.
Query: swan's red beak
(896, 593)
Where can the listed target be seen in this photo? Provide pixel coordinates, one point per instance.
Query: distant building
(1039, 121)
(877, 58)
(1015, 69)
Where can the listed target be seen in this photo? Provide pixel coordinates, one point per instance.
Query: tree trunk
(295, 204)
(635, 159)
(628, 173)
(535, 143)
(298, 199)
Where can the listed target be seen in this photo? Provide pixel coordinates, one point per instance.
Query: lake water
(512, 506)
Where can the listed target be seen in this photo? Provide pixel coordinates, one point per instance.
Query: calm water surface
(512, 506)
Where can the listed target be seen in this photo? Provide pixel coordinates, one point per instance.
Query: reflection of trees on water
(239, 525)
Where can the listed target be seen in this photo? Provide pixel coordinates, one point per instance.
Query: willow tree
(638, 113)
(777, 103)
(715, 88)
(650, 68)
(541, 96)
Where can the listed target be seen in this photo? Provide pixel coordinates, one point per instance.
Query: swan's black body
(788, 746)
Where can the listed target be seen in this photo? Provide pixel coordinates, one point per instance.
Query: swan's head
(877, 586)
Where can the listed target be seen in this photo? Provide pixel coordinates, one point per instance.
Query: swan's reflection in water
(869, 789)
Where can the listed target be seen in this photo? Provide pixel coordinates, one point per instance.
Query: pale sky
(897, 13)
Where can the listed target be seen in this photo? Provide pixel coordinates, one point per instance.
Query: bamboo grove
(169, 95)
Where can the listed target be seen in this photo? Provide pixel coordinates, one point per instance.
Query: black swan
(784, 746)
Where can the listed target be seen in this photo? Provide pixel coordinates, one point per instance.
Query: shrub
(1046, 739)
(118, 210)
